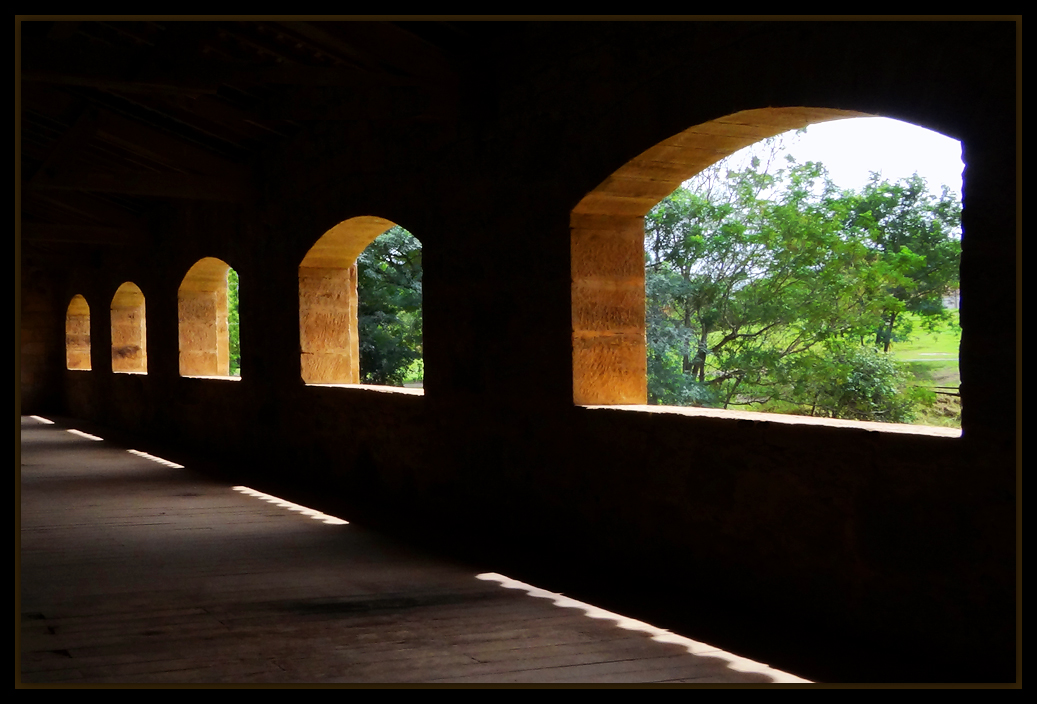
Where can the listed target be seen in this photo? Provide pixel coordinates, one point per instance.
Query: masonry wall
(904, 539)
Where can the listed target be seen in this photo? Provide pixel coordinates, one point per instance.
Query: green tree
(918, 235)
(389, 308)
(752, 272)
(766, 285)
(233, 323)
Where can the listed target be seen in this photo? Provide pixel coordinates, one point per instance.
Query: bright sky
(852, 149)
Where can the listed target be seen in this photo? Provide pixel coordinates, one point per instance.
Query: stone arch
(328, 335)
(129, 330)
(202, 308)
(607, 246)
(77, 334)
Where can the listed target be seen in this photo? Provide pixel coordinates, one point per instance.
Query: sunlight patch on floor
(146, 456)
(42, 420)
(312, 513)
(660, 635)
(81, 434)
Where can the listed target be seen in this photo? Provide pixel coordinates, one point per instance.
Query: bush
(865, 384)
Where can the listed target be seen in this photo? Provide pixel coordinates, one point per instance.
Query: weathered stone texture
(329, 368)
(328, 324)
(609, 305)
(129, 330)
(609, 369)
(202, 310)
(77, 334)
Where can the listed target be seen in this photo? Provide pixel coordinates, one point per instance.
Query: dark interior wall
(879, 535)
(41, 341)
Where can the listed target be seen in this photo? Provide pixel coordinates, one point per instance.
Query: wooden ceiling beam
(152, 142)
(199, 77)
(161, 146)
(72, 141)
(163, 69)
(224, 115)
(153, 185)
(83, 234)
(405, 104)
(156, 85)
(80, 205)
(331, 44)
(378, 45)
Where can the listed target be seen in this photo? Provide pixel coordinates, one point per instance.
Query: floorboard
(132, 571)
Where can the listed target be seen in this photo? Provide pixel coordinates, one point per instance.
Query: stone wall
(129, 330)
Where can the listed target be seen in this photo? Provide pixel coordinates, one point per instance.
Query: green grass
(943, 373)
(939, 345)
(932, 358)
(415, 372)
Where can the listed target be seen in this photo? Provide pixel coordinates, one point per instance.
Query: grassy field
(934, 354)
(932, 357)
(925, 346)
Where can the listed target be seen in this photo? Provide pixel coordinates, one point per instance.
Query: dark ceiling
(118, 117)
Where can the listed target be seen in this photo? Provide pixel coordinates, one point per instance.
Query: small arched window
(129, 330)
(77, 334)
(331, 314)
(205, 333)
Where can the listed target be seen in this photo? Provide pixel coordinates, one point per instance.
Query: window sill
(370, 387)
(788, 419)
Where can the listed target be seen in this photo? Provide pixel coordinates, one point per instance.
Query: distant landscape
(770, 288)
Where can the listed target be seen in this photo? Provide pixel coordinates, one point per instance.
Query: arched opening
(706, 256)
(205, 330)
(367, 258)
(77, 334)
(129, 330)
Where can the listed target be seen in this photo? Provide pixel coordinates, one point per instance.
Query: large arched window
(77, 334)
(205, 330)
(331, 314)
(129, 330)
(801, 261)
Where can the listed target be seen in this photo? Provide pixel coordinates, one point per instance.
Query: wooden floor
(134, 571)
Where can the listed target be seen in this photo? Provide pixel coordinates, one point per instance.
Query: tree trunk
(889, 332)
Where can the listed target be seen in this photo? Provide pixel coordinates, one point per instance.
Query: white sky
(851, 149)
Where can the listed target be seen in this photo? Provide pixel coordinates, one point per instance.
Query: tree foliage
(389, 308)
(768, 285)
(917, 235)
(233, 323)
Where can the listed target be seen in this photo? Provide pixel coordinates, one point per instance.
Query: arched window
(77, 334)
(205, 332)
(331, 314)
(759, 299)
(129, 330)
